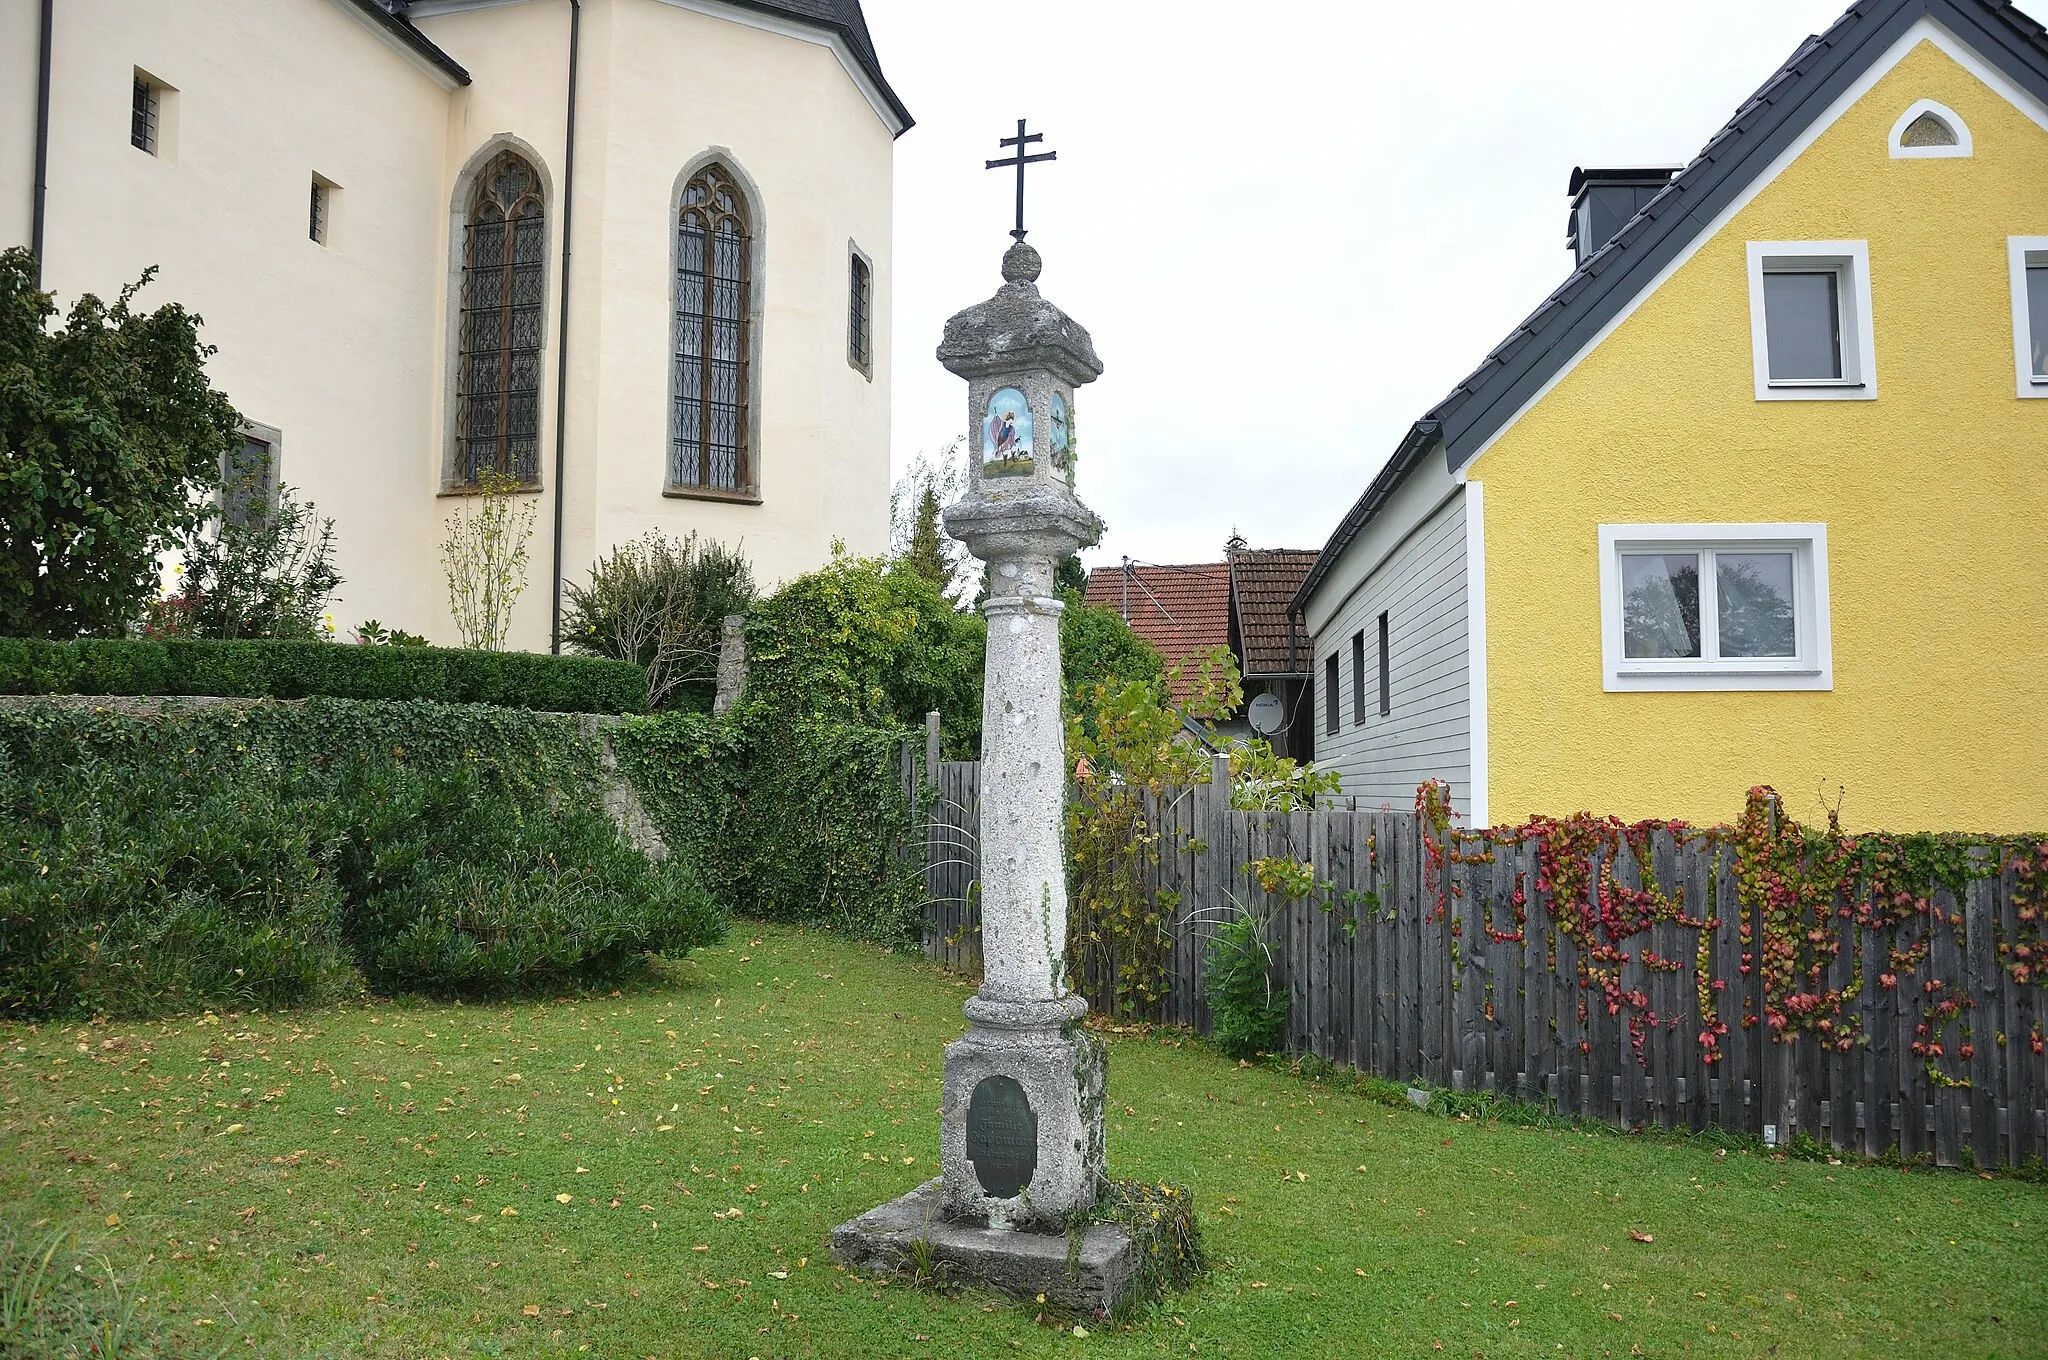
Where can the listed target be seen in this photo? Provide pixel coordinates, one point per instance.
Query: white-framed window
(1929, 131)
(2029, 259)
(1715, 607)
(1809, 317)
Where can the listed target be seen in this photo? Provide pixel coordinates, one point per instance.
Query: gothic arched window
(711, 433)
(504, 306)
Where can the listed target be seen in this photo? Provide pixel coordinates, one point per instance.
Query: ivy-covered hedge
(804, 819)
(271, 669)
(273, 854)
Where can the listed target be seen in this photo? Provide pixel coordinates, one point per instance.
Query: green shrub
(1097, 647)
(661, 603)
(162, 883)
(799, 819)
(271, 669)
(260, 856)
(265, 569)
(534, 898)
(868, 642)
(1248, 1017)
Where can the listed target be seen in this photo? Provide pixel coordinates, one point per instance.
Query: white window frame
(1902, 152)
(1812, 668)
(2020, 251)
(1850, 261)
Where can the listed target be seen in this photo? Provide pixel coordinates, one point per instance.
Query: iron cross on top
(1020, 160)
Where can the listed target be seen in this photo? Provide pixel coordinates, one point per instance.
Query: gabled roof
(1599, 290)
(842, 18)
(1262, 586)
(1182, 611)
(390, 15)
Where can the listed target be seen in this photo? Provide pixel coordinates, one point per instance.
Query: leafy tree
(1097, 647)
(110, 434)
(1069, 576)
(659, 602)
(917, 529)
(929, 553)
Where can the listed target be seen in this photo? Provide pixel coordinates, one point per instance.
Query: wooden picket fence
(1408, 963)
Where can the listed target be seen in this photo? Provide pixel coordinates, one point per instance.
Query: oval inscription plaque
(1002, 1136)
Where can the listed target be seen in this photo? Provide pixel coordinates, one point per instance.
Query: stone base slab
(1093, 1280)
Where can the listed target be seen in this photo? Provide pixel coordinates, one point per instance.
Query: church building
(632, 254)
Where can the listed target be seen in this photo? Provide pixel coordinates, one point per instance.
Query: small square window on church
(146, 118)
(860, 312)
(320, 212)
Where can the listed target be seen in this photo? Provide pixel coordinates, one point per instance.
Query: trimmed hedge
(282, 853)
(302, 670)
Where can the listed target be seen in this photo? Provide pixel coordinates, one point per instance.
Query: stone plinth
(1093, 1277)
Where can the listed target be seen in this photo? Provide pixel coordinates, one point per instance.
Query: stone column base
(1093, 1274)
(1020, 1122)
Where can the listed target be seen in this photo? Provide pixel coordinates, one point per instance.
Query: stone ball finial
(1021, 264)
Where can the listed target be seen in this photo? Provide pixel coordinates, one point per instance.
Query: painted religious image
(1006, 435)
(1062, 434)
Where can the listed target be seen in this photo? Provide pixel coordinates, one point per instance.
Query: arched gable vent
(1929, 130)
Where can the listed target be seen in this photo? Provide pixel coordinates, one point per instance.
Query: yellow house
(1756, 496)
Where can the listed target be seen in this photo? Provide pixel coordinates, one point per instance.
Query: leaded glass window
(711, 434)
(860, 307)
(498, 369)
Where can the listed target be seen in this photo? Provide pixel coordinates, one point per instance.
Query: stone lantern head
(1022, 358)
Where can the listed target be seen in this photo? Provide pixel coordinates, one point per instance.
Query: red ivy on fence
(1802, 893)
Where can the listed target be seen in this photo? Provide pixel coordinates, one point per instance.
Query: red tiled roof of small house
(1182, 611)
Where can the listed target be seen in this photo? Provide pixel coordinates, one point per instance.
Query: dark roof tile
(1262, 586)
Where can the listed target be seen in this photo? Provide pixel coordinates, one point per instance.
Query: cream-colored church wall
(330, 344)
(783, 113)
(19, 24)
(517, 56)
(345, 347)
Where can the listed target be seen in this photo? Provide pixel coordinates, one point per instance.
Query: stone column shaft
(1023, 790)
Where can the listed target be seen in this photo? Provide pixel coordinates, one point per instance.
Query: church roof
(1773, 118)
(391, 15)
(842, 18)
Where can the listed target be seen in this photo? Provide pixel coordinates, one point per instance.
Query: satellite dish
(1267, 714)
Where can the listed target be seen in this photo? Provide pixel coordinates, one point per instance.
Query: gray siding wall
(1420, 586)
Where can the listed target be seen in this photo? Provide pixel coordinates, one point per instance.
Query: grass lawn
(655, 1173)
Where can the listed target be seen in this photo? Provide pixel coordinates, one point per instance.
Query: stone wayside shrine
(1021, 1120)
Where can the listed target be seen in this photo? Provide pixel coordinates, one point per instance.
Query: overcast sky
(1291, 227)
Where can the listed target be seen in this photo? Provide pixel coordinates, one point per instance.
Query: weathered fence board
(1415, 961)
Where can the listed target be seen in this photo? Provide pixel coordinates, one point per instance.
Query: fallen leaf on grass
(564, 1199)
(531, 1310)
(508, 1212)
(1640, 1236)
